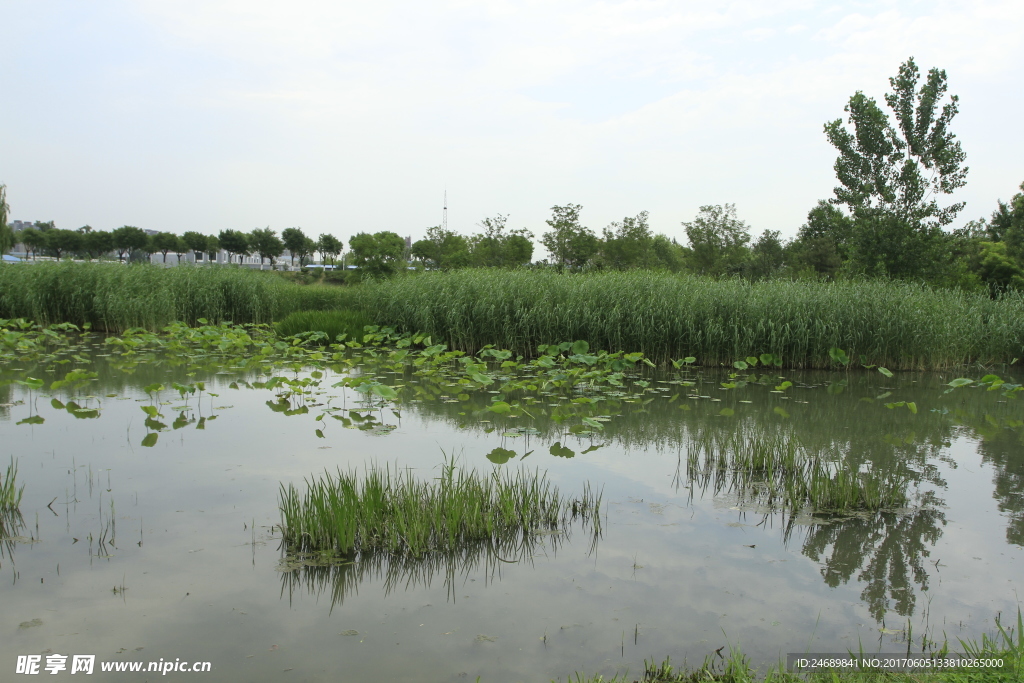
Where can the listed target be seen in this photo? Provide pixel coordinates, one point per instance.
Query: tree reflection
(886, 550)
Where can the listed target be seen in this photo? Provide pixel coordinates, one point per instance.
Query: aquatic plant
(10, 492)
(325, 327)
(116, 297)
(391, 511)
(890, 324)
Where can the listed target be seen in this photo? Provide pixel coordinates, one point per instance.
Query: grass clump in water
(393, 512)
(329, 324)
(774, 472)
(10, 492)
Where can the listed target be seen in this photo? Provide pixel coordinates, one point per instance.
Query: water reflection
(340, 576)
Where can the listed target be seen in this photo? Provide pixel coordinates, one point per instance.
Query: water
(171, 551)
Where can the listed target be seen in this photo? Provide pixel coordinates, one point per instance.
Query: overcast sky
(344, 117)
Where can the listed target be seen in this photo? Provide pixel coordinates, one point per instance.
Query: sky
(343, 117)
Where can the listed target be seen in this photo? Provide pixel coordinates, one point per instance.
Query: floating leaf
(150, 439)
(885, 371)
(500, 456)
(560, 451)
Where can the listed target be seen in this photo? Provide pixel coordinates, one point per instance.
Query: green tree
(6, 233)
(294, 241)
(59, 242)
(129, 239)
(442, 249)
(306, 251)
(891, 176)
(571, 245)
(234, 242)
(718, 240)
(212, 247)
(329, 247)
(379, 254)
(628, 244)
(266, 244)
(164, 242)
(767, 256)
(33, 239)
(96, 243)
(496, 247)
(196, 242)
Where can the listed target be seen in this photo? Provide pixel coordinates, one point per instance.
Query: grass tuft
(392, 512)
(332, 324)
(10, 492)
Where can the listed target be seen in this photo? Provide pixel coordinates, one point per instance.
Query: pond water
(154, 536)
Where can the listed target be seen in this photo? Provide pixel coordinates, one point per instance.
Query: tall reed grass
(896, 325)
(393, 512)
(115, 297)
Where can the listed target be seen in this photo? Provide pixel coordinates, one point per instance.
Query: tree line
(884, 220)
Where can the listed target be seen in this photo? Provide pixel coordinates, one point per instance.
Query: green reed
(773, 472)
(115, 297)
(10, 492)
(391, 511)
(666, 316)
(331, 323)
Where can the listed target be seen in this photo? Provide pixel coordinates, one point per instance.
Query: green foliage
(891, 176)
(139, 295)
(495, 247)
(129, 240)
(330, 324)
(442, 249)
(294, 241)
(898, 171)
(10, 492)
(266, 243)
(329, 247)
(96, 243)
(393, 513)
(572, 245)
(60, 242)
(379, 254)
(718, 240)
(195, 241)
(164, 242)
(895, 325)
(234, 242)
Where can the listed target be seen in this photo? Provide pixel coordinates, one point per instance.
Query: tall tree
(234, 242)
(294, 241)
(33, 239)
(212, 247)
(891, 176)
(165, 242)
(59, 242)
(571, 244)
(196, 242)
(329, 247)
(379, 254)
(718, 240)
(266, 244)
(129, 239)
(96, 243)
(627, 244)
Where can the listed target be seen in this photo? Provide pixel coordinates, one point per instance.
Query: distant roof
(11, 259)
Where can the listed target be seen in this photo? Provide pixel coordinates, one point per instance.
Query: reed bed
(331, 323)
(774, 473)
(393, 512)
(666, 316)
(115, 297)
